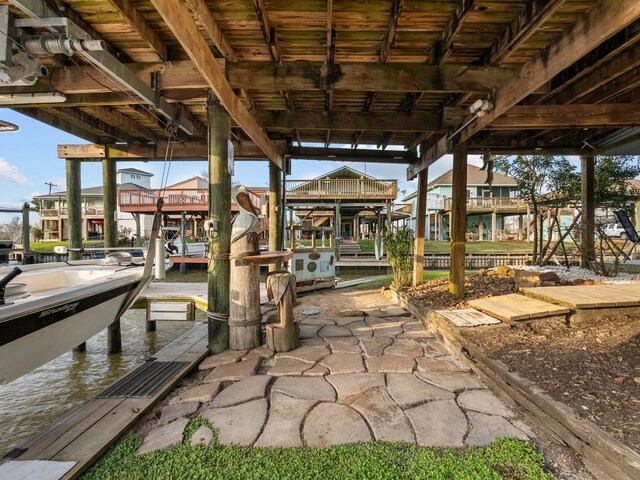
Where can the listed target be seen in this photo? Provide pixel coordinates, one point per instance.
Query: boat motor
(5, 281)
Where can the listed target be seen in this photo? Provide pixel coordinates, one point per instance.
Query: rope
(222, 256)
(218, 317)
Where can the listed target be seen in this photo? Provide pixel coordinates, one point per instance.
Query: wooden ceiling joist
(602, 22)
(390, 35)
(535, 13)
(140, 25)
(201, 12)
(181, 24)
(444, 49)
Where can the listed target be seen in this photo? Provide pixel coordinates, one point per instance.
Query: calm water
(36, 400)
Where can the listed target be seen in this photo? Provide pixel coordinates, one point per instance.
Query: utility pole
(51, 184)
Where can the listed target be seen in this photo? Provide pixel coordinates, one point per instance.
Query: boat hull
(37, 337)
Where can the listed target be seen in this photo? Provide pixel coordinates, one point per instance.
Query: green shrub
(399, 246)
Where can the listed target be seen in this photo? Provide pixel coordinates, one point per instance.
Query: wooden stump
(245, 329)
(283, 336)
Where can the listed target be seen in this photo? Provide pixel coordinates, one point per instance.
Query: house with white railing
(54, 215)
(354, 203)
(493, 211)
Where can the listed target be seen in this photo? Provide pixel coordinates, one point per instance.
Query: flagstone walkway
(373, 374)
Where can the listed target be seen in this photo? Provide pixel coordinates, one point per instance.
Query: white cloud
(10, 173)
(16, 205)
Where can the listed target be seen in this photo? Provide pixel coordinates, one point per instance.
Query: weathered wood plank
(140, 25)
(514, 307)
(180, 22)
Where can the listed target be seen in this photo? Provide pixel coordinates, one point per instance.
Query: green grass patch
(386, 281)
(47, 247)
(433, 246)
(504, 459)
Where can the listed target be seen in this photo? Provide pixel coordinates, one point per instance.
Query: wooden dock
(83, 435)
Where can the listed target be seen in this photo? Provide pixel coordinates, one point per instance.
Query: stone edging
(604, 456)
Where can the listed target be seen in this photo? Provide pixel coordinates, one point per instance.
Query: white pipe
(159, 260)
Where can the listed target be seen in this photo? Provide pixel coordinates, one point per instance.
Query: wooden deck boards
(86, 433)
(588, 296)
(515, 308)
(467, 317)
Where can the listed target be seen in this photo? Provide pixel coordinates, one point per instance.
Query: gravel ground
(579, 273)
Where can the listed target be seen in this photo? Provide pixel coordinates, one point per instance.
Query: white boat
(50, 308)
(174, 244)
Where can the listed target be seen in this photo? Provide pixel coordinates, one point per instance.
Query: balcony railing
(174, 200)
(341, 188)
(64, 211)
(482, 203)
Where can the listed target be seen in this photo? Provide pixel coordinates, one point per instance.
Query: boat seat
(119, 258)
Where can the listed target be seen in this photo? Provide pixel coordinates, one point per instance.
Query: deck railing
(341, 188)
(483, 203)
(184, 198)
(56, 212)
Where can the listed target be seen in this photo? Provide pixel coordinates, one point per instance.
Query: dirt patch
(593, 368)
(435, 293)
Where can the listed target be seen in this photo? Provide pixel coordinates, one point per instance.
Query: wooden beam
(61, 124)
(351, 155)
(603, 21)
(92, 124)
(121, 122)
(390, 36)
(533, 15)
(445, 47)
(331, 33)
(348, 121)
(140, 25)
(156, 152)
(430, 156)
(306, 76)
(201, 12)
(537, 117)
(177, 17)
(610, 50)
(268, 32)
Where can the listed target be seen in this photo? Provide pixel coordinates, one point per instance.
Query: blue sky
(28, 159)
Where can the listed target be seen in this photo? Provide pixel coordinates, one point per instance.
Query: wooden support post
(285, 335)
(245, 317)
(338, 230)
(480, 227)
(183, 239)
(421, 217)
(150, 325)
(388, 216)
(26, 244)
(80, 348)
(588, 209)
(110, 202)
(458, 223)
(528, 225)
(494, 226)
(220, 236)
(110, 226)
(520, 226)
(74, 208)
(275, 212)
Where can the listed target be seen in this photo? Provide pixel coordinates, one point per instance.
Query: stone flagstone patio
(364, 375)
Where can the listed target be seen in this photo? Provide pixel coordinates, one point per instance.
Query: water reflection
(34, 401)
